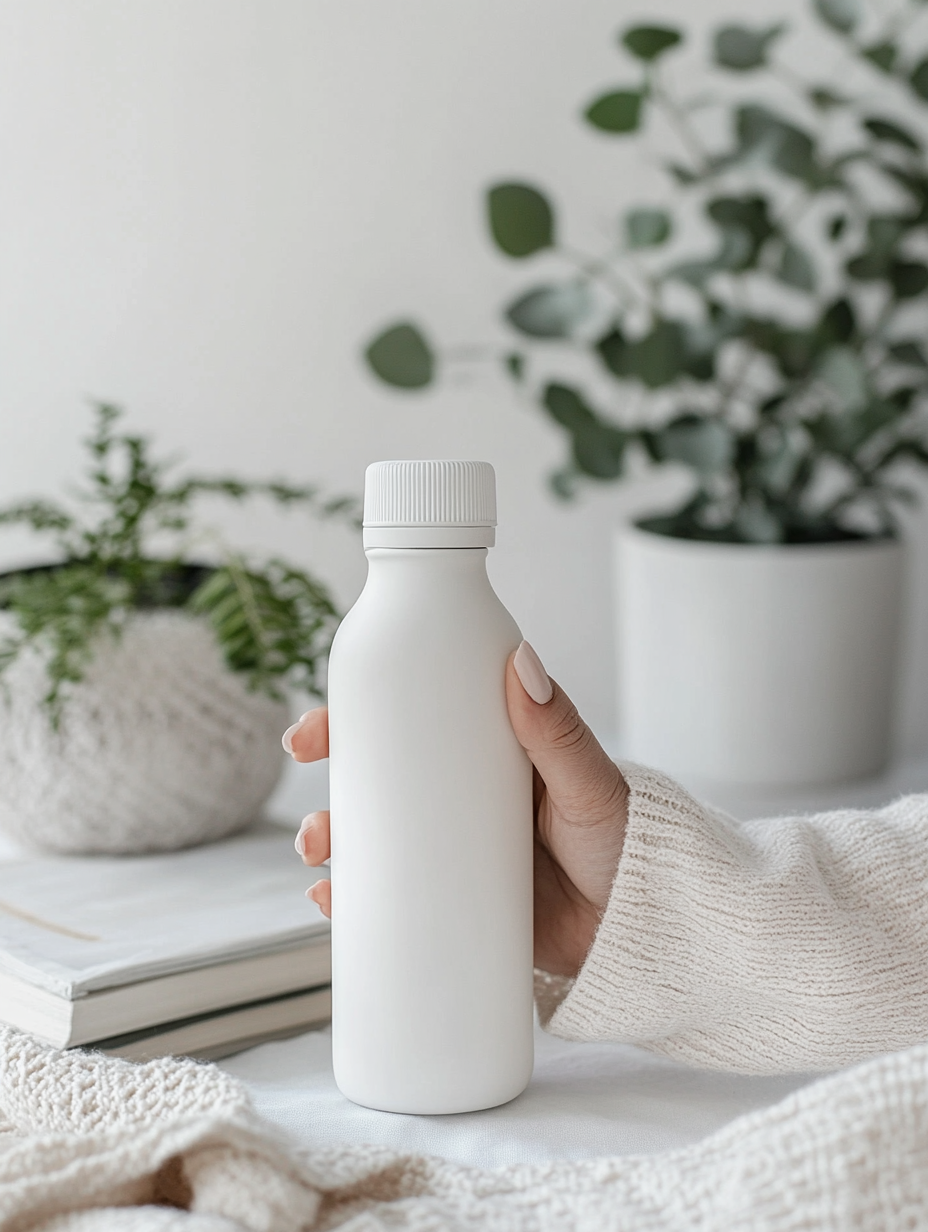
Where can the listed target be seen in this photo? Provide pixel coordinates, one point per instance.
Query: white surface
(140, 916)
(209, 206)
(431, 798)
(584, 1100)
(770, 665)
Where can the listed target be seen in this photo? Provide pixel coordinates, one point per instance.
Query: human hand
(580, 812)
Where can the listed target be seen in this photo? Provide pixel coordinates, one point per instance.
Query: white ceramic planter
(757, 665)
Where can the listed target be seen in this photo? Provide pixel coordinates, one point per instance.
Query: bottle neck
(424, 537)
(461, 563)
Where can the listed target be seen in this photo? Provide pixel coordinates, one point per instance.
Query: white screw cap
(429, 504)
(430, 493)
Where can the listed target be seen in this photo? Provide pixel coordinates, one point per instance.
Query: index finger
(308, 739)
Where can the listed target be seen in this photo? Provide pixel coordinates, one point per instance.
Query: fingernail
(534, 678)
(287, 738)
(304, 826)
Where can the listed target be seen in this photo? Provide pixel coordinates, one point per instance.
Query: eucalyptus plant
(273, 621)
(781, 357)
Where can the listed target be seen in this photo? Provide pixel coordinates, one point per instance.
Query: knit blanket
(93, 1144)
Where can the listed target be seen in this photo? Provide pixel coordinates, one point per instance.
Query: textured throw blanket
(92, 1144)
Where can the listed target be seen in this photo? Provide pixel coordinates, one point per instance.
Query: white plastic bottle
(431, 808)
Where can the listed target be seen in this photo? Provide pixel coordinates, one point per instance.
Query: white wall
(206, 206)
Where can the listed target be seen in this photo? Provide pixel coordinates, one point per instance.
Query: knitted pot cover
(160, 746)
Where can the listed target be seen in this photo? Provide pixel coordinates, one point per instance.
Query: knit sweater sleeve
(798, 943)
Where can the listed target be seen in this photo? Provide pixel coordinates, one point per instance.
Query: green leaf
(778, 459)
(882, 55)
(649, 42)
(705, 445)
(918, 79)
(755, 522)
(916, 186)
(796, 268)
(884, 231)
(908, 278)
(793, 350)
(521, 219)
(795, 156)
(613, 350)
(598, 451)
(909, 353)
(567, 407)
(763, 135)
(740, 48)
(841, 15)
(752, 213)
(885, 130)
(598, 447)
(738, 250)
(842, 369)
(618, 112)
(645, 228)
(868, 267)
(746, 226)
(657, 359)
(401, 357)
(845, 434)
(552, 311)
(837, 324)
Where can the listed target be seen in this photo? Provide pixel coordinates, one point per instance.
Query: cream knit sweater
(783, 944)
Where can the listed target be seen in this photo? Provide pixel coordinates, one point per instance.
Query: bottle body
(431, 807)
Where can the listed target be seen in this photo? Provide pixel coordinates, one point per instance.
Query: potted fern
(142, 693)
(762, 328)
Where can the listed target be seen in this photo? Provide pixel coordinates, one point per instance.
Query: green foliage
(776, 359)
(552, 311)
(619, 111)
(842, 15)
(649, 42)
(740, 48)
(402, 357)
(273, 622)
(64, 610)
(521, 219)
(646, 228)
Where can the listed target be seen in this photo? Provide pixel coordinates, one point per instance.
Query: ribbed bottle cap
(429, 504)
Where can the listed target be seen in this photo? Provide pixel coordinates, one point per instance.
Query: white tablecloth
(584, 1100)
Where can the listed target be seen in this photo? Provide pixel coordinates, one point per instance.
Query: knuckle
(568, 731)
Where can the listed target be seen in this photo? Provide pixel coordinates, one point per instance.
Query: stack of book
(200, 952)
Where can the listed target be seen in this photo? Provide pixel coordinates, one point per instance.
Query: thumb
(584, 785)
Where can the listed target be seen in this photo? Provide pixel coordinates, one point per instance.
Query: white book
(218, 1035)
(98, 946)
